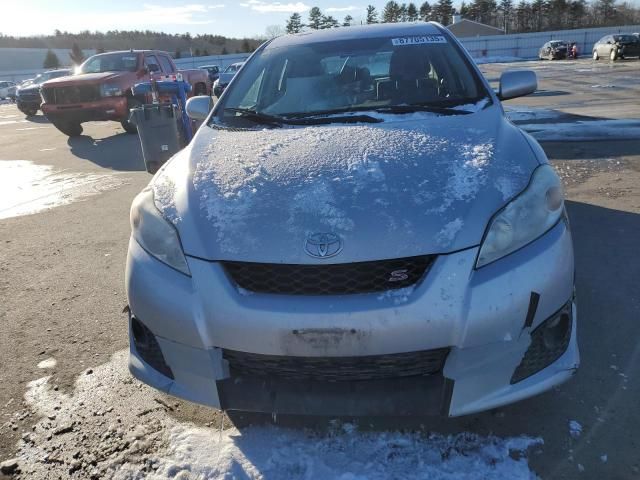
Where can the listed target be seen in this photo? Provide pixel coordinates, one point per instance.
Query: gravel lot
(68, 407)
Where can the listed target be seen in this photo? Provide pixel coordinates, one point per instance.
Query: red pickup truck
(101, 88)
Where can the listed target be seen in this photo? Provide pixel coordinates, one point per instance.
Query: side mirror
(517, 83)
(198, 108)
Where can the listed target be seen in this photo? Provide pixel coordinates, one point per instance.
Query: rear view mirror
(517, 83)
(198, 108)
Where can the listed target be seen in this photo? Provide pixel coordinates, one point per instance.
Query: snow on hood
(394, 189)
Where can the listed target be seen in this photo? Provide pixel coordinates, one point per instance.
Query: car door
(606, 46)
(599, 46)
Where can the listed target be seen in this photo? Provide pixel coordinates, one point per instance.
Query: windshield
(558, 44)
(111, 62)
(354, 75)
(233, 68)
(625, 38)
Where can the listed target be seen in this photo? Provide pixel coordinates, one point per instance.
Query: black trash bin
(158, 131)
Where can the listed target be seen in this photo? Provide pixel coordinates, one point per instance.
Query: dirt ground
(62, 297)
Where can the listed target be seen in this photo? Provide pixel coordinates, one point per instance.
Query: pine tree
(391, 12)
(425, 12)
(328, 21)
(412, 13)
(347, 21)
(444, 10)
(205, 53)
(506, 8)
(197, 53)
(178, 54)
(246, 47)
(315, 18)
(224, 51)
(294, 24)
(51, 60)
(76, 55)
(372, 15)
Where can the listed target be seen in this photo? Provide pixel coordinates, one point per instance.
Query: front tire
(127, 124)
(595, 55)
(70, 129)
(613, 55)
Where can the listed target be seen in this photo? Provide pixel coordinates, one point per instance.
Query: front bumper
(483, 317)
(112, 108)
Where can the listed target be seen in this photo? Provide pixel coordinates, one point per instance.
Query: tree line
(513, 16)
(182, 45)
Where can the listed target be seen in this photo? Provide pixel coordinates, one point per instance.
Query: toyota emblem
(323, 245)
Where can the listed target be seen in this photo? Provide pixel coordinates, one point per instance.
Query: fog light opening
(555, 332)
(148, 348)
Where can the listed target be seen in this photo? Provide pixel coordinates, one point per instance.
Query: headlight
(155, 234)
(107, 90)
(525, 218)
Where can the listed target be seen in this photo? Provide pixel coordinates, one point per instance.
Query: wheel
(613, 55)
(200, 89)
(127, 124)
(69, 128)
(30, 112)
(595, 55)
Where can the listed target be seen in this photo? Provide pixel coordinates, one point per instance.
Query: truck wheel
(69, 128)
(127, 124)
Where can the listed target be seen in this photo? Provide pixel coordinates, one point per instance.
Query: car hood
(29, 89)
(412, 185)
(85, 78)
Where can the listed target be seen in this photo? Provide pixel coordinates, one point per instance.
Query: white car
(7, 89)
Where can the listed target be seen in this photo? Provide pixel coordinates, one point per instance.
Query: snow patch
(447, 235)
(119, 429)
(575, 429)
(398, 296)
(48, 363)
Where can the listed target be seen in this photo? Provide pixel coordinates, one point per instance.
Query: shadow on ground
(118, 152)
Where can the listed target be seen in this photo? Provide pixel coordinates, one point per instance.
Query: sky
(243, 18)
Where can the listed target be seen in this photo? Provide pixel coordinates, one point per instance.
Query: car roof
(358, 32)
(208, 66)
(132, 51)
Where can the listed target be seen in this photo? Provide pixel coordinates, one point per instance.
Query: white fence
(526, 45)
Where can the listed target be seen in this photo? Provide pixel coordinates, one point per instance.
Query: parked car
(616, 46)
(28, 97)
(342, 242)
(212, 70)
(225, 77)
(101, 88)
(553, 50)
(7, 89)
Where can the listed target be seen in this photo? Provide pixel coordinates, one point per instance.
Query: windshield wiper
(419, 107)
(256, 116)
(314, 118)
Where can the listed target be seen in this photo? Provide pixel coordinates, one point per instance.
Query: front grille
(334, 279)
(336, 369)
(72, 94)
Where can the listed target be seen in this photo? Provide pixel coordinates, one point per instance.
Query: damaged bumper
(452, 345)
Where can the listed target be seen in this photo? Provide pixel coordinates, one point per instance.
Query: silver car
(356, 229)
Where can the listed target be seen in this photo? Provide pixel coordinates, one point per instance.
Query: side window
(151, 60)
(167, 66)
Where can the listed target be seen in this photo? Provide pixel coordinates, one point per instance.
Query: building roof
(469, 28)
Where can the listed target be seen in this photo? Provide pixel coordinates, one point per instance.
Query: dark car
(553, 50)
(225, 77)
(28, 96)
(617, 46)
(212, 70)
